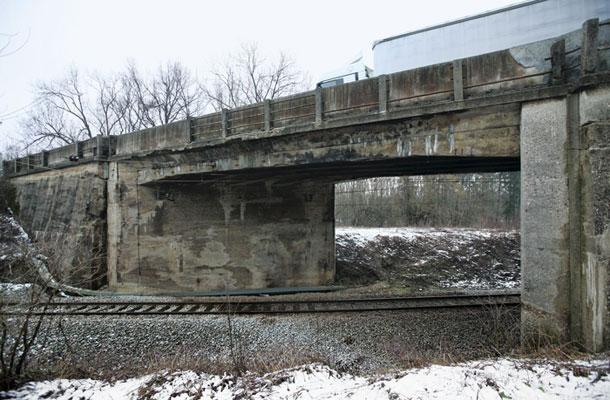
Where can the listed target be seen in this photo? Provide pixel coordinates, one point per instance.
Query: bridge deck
(550, 68)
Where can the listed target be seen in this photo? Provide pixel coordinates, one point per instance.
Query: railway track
(116, 308)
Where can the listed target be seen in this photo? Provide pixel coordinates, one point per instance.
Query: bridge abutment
(65, 212)
(565, 220)
(195, 236)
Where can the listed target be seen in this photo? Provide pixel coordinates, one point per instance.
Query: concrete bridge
(244, 198)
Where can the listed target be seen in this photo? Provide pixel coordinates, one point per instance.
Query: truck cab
(354, 71)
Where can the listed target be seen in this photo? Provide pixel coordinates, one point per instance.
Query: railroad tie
(193, 308)
(209, 307)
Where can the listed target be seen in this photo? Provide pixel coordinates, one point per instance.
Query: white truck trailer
(499, 29)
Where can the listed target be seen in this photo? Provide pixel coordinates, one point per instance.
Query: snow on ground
(489, 379)
(11, 230)
(14, 241)
(364, 235)
(9, 288)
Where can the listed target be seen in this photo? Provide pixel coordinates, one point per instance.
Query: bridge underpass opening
(428, 233)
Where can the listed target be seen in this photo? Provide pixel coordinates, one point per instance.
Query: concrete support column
(591, 321)
(545, 267)
(565, 219)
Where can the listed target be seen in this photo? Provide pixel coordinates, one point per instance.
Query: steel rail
(263, 306)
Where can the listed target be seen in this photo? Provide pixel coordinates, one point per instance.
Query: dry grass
(260, 363)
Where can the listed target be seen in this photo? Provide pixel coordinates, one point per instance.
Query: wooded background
(489, 200)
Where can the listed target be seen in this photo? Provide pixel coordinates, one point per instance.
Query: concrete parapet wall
(159, 137)
(61, 155)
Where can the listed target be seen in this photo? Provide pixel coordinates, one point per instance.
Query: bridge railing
(209, 126)
(292, 111)
(286, 111)
(97, 148)
(550, 62)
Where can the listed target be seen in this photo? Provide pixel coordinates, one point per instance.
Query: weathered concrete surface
(193, 237)
(243, 198)
(260, 213)
(492, 132)
(545, 268)
(594, 284)
(65, 211)
(153, 138)
(565, 218)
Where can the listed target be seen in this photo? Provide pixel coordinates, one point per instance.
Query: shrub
(8, 197)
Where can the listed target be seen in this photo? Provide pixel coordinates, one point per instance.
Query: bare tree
(170, 95)
(46, 126)
(247, 78)
(106, 110)
(61, 113)
(78, 107)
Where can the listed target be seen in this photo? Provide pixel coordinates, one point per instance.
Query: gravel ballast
(357, 342)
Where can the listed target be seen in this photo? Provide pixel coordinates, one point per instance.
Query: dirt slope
(416, 259)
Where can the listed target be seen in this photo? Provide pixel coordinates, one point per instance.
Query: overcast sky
(101, 35)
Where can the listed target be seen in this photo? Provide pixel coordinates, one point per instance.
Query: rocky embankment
(420, 259)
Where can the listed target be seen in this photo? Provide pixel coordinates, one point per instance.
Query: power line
(18, 112)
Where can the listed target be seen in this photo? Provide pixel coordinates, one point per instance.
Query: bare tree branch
(248, 78)
(78, 107)
(4, 48)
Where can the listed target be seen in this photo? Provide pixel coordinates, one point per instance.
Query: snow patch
(364, 235)
(488, 379)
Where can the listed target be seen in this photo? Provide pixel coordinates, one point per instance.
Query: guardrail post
(224, 122)
(15, 166)
(558, 61)
(189, 127)
(98, 146)
(45, 158)
(78, 149)
(319, 108)
(590, 31)
(267, 114)
(383, 94)
(112, 145)
(458, 81)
